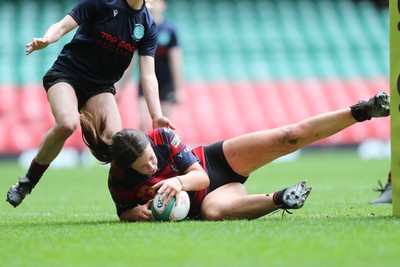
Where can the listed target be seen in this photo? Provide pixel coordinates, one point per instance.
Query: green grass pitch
(69, 220)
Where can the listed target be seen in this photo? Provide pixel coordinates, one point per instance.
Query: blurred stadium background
(249, 65)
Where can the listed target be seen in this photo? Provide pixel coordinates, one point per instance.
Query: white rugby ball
(171, 212)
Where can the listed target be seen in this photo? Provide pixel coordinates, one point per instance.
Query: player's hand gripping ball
(171, 212)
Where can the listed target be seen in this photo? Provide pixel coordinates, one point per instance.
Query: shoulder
(167, 134)
(158, 136)
(101, 4)
(92, 3)
(164, 136)
(87, 10)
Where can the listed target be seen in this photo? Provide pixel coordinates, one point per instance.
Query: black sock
(35, 172)
(278, 197)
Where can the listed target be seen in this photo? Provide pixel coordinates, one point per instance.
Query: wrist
(156, 117)
(47, 39)
(183, 188)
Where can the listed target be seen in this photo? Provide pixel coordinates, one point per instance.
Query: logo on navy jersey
(117, 45)
(174, 168)
(115, 11)
(138, 32)
(176, 141)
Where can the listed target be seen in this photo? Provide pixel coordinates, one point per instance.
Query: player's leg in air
(248, 152)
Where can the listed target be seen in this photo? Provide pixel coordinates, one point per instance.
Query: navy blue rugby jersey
(167, 39)
(109, 33)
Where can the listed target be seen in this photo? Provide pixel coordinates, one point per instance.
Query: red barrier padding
(210, 112)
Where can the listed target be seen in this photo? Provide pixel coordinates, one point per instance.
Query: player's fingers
(34, 42)
(144, 218)
(161, 189)
(149, 215)
(159, 184)
(148, 204)
(177, 197)
(171, 126)
(145, 214)
(170, 196)
(30, 47)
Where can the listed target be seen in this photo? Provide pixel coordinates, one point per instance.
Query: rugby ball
(171, 212)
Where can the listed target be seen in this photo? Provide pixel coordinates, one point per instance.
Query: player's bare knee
(212, 214)
(66, 128)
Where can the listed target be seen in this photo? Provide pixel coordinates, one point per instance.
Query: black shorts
(219, 171)
(166, 92)
(83, 91)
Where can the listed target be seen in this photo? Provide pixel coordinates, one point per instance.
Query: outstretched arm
(53, 34)
(149, 83)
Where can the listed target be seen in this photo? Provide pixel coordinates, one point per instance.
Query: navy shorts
(83, 91)
(166, 92)
(218, 169)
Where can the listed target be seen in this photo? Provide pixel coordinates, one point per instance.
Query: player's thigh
(222, 197)
(105, 103)
(259, 148)
(63, 103)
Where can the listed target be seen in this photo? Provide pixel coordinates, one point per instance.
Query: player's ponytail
(93, 134)
(123, 148)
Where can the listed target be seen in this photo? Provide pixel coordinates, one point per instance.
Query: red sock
(35, 171)
(277, 198)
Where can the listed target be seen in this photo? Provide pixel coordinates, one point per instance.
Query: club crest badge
(138, 32)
